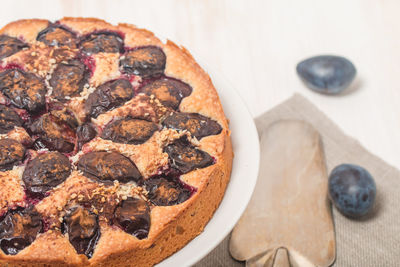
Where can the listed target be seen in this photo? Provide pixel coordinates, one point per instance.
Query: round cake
(114, 147)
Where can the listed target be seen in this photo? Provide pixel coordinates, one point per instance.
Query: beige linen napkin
(373, 241)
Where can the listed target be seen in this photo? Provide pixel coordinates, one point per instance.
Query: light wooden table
(256, 45)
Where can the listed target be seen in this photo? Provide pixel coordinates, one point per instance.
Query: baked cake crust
(172, 227)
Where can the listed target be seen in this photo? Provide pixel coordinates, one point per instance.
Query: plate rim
(219, 79)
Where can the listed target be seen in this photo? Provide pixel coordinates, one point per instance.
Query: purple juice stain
(89, 61)
(32, 198)
(188, 187)
(11, 66)
(46, 225)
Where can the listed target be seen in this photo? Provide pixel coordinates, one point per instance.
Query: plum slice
(68, 79)
(53, 133)
(107, 96)
(168, 91)
(133, 216)
(18, 229)
(65, 115)
(129, 131)
(184, 157)
(57, 35)
(25, 90)
(198, 125)
(82, 227)
(45, 172)
(102, 42)
(8, 119)
(106, 167)
(11, 154)
(85, 133)
(163, 191)
(10, 45)
(144, 61)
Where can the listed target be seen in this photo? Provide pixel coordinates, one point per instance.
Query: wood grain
(289, 207)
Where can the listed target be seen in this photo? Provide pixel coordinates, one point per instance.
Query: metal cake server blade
(288, 221)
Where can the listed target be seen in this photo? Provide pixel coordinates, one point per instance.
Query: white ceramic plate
(243, 179)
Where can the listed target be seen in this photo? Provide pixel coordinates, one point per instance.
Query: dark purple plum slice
(145, 62)
(129, 131)
(65, 115)
(166, 192)
(107, 96)
(45, 172)
(184, 157)
(102, 42)
(11, 154)
(68, 79)
(18, 229)
(53, 134)
(57, 35)
(198, 125)
(108, 166)
(25, 90)
(168, 91)
(85, 133)
(10, 45)
(8, 119)
(82, 227)
(133, 216)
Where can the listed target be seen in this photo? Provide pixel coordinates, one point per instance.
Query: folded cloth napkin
(372, 241)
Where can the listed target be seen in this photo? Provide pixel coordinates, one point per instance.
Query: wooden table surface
(257, 44)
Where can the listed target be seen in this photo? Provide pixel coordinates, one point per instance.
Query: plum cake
(114, 147)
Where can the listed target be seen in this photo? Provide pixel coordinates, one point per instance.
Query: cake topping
(49, 110)
(57, 35)
(184, 157)
(8, 119)
(82, 227)
(11, 154)
(198, 125)
(68, 79)
(108, 166)
(169, 91)
(129, 131)
(25, 90)
(45, 172)
(107, 42)
(165, 191)
(145, 62)
(109, 95)
(10, 45)
(18, 229)
(65, 115)
(133, 216)
(85, 133)
(53, 134)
